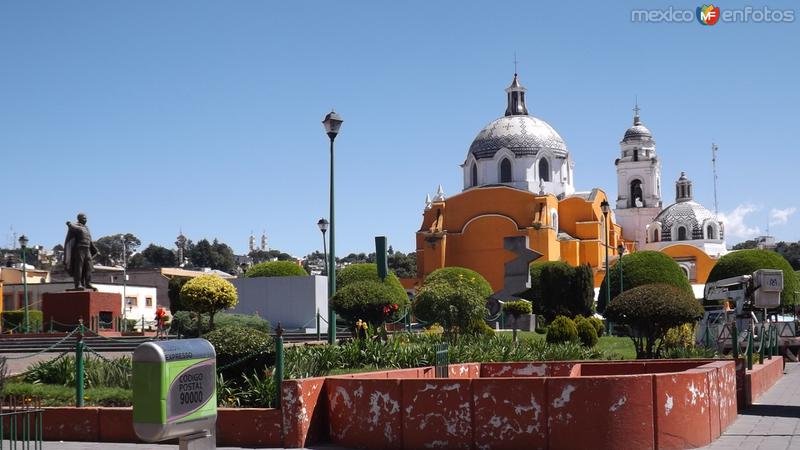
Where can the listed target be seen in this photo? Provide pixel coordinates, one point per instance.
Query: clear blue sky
(206, 115)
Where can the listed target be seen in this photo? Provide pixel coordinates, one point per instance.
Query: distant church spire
(636, 120)
(516, 99)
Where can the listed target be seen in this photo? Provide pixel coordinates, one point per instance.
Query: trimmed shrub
(682, 336)
(598, 325)
(208, 294)
(517, 308)
(641, 268)
(367, 272)
(456, 275)
(650, 311)
(16, 318)
(276, 269)
(253, 321)
(562, 330)
(586, 332)
(371, 301)
(558, 289)
(234, 343)
(458, 307)
(745, 262)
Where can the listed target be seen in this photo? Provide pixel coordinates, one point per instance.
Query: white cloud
(781, 216)
(735, 227)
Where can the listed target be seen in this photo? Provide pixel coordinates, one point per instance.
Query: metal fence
(442, 360)
(20, 424)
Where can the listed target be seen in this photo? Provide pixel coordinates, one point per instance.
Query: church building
(519, 204)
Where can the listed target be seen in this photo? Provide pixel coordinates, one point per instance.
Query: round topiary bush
(650, 311)
(208, 294)
(562, 329)
(586, 332)
(374, 302)
(640, 268)
(517, 308)
(456, 306)
(598, 325)
(233, 343)
(745, 262)
(275, 269)
(459, 275)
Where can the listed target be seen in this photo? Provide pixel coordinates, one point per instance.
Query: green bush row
(16, 319)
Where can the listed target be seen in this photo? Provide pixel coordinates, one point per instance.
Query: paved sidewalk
(113, 446)
(771, 424)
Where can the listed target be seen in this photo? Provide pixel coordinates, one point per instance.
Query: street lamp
(323, 227)
(620, 251)
(332, 123)
(23, 243)
(124, 279)
(606, 208)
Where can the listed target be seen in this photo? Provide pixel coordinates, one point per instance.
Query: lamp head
(23, 241)
(605, 207)
(323, 225)
(332, 123)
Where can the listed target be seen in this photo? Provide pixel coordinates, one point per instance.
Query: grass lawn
(617, 347)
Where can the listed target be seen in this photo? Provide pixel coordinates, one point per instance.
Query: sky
(154, 117)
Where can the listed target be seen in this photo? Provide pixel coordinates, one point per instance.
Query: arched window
(685, 271)
(554, 220)
(656, 236)
(681, 233)
(474, 175)
(637, 199)
(710, 232)
(505, 171)
(544, 169)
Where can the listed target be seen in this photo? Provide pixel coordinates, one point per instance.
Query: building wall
(291, 301)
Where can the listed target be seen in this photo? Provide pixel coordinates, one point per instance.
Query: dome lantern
(516, 99)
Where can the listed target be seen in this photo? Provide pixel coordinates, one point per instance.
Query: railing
(442, 360)
(21, 423)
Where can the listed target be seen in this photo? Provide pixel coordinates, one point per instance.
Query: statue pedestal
(100, 311)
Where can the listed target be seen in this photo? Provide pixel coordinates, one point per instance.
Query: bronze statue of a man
(78, 253)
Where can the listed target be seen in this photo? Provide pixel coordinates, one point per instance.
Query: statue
(78, 253)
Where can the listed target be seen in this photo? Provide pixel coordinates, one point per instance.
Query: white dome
(524, 135)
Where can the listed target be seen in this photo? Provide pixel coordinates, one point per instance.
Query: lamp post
(605, 207)
(620, 251)
(23, 243)
(332, 123)
(124, 278)
(323, 227)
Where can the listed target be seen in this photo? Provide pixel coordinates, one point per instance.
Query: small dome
(523, 135)
(638, 131)
(688, 213)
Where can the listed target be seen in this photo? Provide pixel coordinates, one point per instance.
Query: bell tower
(638, 181)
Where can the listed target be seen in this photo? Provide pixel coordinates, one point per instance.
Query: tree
(110, 248)
(362, 295)
(650, 310)
(208, 294)
(154, 256)
(214, 255)
(174, 293)
(275, 269)
(403, 265)
(745, 262)
(640, 268)
(558, 289)
(454, 297)
(461, 275)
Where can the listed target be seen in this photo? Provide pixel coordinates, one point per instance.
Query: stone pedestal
(65, 309)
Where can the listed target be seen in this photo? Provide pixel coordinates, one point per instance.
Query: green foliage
(275, 269)
(461, 275)
(184, 323)
(253, 321)
(587, 333)
(57, 395)
(745, 262)
(174, 293)
(562, 330)
(366, 272)
(215, 255)
(208, 294)
(517, 308)
(598, 325)
(641, 268)
(110, 248)
(650, 311)
(97, 372)
(251, 390)
(234, 343)
(558, 289)
(154, 256)
(16, 319)
(374, 302)
(456, 306)
(680, 336)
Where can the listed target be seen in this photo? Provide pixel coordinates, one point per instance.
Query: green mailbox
(174, 390)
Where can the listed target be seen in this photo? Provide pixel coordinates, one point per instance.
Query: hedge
(233, 343)
(745, 262)
(641, 268)
(276, 269)
(458, 307)
(16, 319)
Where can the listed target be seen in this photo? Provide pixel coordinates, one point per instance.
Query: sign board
(769, 285)
(174, 389)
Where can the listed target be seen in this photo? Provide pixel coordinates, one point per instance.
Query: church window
(544, 170)
(505, 171)
(635, 154)
(637, 199)
(710, 232)
(474, 175)
(554, 221)
(655, 235)
(681, 233)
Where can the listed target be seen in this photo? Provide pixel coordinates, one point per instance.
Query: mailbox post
(174, 392)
